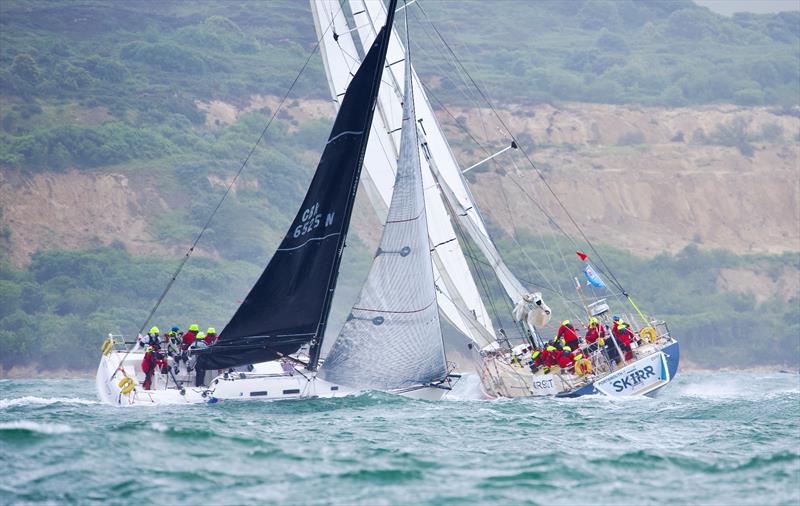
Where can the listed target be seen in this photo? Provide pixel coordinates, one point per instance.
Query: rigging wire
(233, 181)
(488, 102)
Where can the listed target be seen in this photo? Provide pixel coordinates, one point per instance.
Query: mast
(289, 304)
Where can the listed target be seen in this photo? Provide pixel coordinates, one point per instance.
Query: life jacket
(583, 366)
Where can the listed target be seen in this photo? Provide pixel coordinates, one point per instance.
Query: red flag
(582, 256)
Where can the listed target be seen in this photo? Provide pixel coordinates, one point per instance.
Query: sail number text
(311, 219)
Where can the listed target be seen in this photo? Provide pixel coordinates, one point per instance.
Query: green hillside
(113, 86)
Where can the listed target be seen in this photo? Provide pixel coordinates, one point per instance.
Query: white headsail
(460, 300)
(392, 338)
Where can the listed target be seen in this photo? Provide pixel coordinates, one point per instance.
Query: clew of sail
(289, 304)
(392, 338)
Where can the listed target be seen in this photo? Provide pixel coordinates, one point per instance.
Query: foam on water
(726, 438)
(29, 426)
(32, 400)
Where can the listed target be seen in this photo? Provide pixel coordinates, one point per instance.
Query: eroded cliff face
(645, 179)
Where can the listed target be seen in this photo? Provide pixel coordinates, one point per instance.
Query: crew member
(152, 359)
(565, 360)
(594, 332)
(211, 335)
(566, 332)
(625, 337)
(189, 337)
(551, 355)
(537, 361)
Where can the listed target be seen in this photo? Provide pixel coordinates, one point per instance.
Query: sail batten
(289, 304)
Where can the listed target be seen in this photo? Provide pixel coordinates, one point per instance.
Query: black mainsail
(289, 304)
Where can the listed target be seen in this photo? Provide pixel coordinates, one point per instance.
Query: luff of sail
(392, 338)
(289, 304)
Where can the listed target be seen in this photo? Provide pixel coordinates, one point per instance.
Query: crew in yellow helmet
(594, 333)
(190, 336)
(537, 361)
(211, 335)
(566, 332)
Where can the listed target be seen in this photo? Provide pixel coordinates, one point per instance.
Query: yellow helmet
(194, 328)
(592, 321)
(565, 322)
(622, 325)
(211, 330)
(154, 330)
(601, 341)
(536, 354)
(200, 336)
(578, 356)
(567, 349)
(551, 348)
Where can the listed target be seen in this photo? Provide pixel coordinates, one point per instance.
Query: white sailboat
(503, 370)
(392, 340)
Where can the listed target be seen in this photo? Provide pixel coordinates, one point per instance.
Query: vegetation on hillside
(92, 85)
(88, 84)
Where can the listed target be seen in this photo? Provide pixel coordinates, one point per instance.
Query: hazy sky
(728, 7)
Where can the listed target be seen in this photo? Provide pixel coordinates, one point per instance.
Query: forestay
(289, 304)
(392, 338)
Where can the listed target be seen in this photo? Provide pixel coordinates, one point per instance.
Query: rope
(224, 196)
(232, 183)
(611, 275)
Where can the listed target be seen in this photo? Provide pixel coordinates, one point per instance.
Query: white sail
(459, 300)
(392, 338)
(441, 159)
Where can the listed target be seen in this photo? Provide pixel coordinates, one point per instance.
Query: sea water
(709, 438)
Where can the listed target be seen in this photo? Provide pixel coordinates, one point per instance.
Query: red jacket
(594, 333)
(568, 334)
(188, 339)
(550, 357)
(564, 361)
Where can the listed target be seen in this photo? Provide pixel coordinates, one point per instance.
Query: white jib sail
(442, 160)
(460, 300)
(392, 338)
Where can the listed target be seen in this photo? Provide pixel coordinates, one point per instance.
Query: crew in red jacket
(551, 355)
(566, 332)
(152, 360)
(566, 358)
(189, 337)
(624, 336)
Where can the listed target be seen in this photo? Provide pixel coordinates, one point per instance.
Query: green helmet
(154, 330)
(194, 327)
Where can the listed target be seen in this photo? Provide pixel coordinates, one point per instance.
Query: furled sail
(289, 304)
(392, 338)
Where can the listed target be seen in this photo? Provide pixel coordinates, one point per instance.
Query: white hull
(651, 370)
(267, 382)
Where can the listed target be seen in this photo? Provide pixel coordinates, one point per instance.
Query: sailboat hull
(645, 376)
(267, 382)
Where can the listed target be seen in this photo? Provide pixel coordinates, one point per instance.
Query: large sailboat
(451, 207)
(271, 347)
